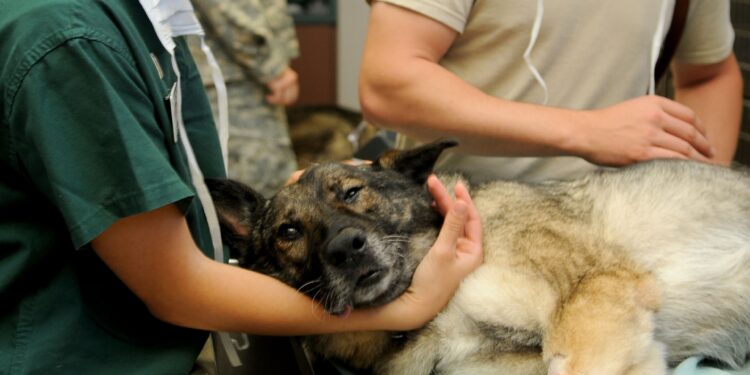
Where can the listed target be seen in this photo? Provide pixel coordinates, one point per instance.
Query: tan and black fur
(621, 272)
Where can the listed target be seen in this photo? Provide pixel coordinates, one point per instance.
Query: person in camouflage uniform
(254, 42)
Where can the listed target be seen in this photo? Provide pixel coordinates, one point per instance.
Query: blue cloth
(692, 366)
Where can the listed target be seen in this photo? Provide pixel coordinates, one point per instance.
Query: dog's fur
(621, 272)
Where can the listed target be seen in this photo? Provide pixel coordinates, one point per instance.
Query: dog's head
(347, 236)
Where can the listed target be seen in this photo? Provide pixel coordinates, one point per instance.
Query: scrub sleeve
(89, 141)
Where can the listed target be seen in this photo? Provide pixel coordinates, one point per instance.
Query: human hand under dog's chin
(456, 253)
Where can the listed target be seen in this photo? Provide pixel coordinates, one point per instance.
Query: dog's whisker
(312, 282)
(315, 296)
(314, 303)
(394, 241)
(329, 302)
(307, 287)
(315, 288)
(396, 236)
(324, 301)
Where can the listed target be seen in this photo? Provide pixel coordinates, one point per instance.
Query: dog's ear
(416, 163)
(238, 207)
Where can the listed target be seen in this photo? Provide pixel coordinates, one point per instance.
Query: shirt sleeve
(708, 37)
(452, 13)
(84, 131)
(258, 35)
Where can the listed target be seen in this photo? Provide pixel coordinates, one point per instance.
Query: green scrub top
(86, 139)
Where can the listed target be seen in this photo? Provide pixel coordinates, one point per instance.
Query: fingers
(278, 95)
(443, 199)
(453, 229)
(284, 89)
(274, 98)
(294, 177)
(673, 147)
(663, 153)
(356, 162)
(461, 235)
(283, 95)
(682, 122)
(694, 143)
(473, 228)
(681, 112)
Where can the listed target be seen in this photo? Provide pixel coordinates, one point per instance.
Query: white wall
(351, 27)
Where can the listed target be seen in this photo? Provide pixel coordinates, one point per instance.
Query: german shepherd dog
(620, 272)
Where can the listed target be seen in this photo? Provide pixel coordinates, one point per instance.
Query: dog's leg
(606, 327)
(418, 357)
(426, 358)
(507, 363)
(653, 363)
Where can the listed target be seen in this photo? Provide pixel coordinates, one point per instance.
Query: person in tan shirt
(548, 89)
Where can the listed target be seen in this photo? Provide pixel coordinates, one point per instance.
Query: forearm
(154, 254)
(718, 103)
(425, 101)
(229, 298)
(403, 87)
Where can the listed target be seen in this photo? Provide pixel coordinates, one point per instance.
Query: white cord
(527, 54)
(222, 126)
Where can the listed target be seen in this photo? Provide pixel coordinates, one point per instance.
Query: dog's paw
(558, 365)
(561, 364)
(650, 362)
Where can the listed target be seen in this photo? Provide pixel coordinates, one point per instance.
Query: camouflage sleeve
(287, 33)
(258, 35)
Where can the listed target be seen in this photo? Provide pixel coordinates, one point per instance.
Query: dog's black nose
(347, 247)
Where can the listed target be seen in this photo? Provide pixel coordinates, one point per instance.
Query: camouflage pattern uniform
(253, 41)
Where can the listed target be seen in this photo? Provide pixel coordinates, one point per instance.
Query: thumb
(453, 229)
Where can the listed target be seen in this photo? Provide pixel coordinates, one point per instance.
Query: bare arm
(155, 256)
(403, 87)
(714, 92)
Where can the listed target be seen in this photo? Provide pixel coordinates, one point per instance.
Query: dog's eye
(289, 232)
(350, 195)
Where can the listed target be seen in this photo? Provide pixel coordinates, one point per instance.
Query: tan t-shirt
(591, 54)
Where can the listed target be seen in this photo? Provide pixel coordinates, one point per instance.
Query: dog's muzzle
(348, 252)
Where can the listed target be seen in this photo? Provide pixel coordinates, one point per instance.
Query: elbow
(185, 296)
(177, 303)
(382, 99)
(374, 102)
(726, 72)
(167, 312)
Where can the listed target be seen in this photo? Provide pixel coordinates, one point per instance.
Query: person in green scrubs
(103, 243)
